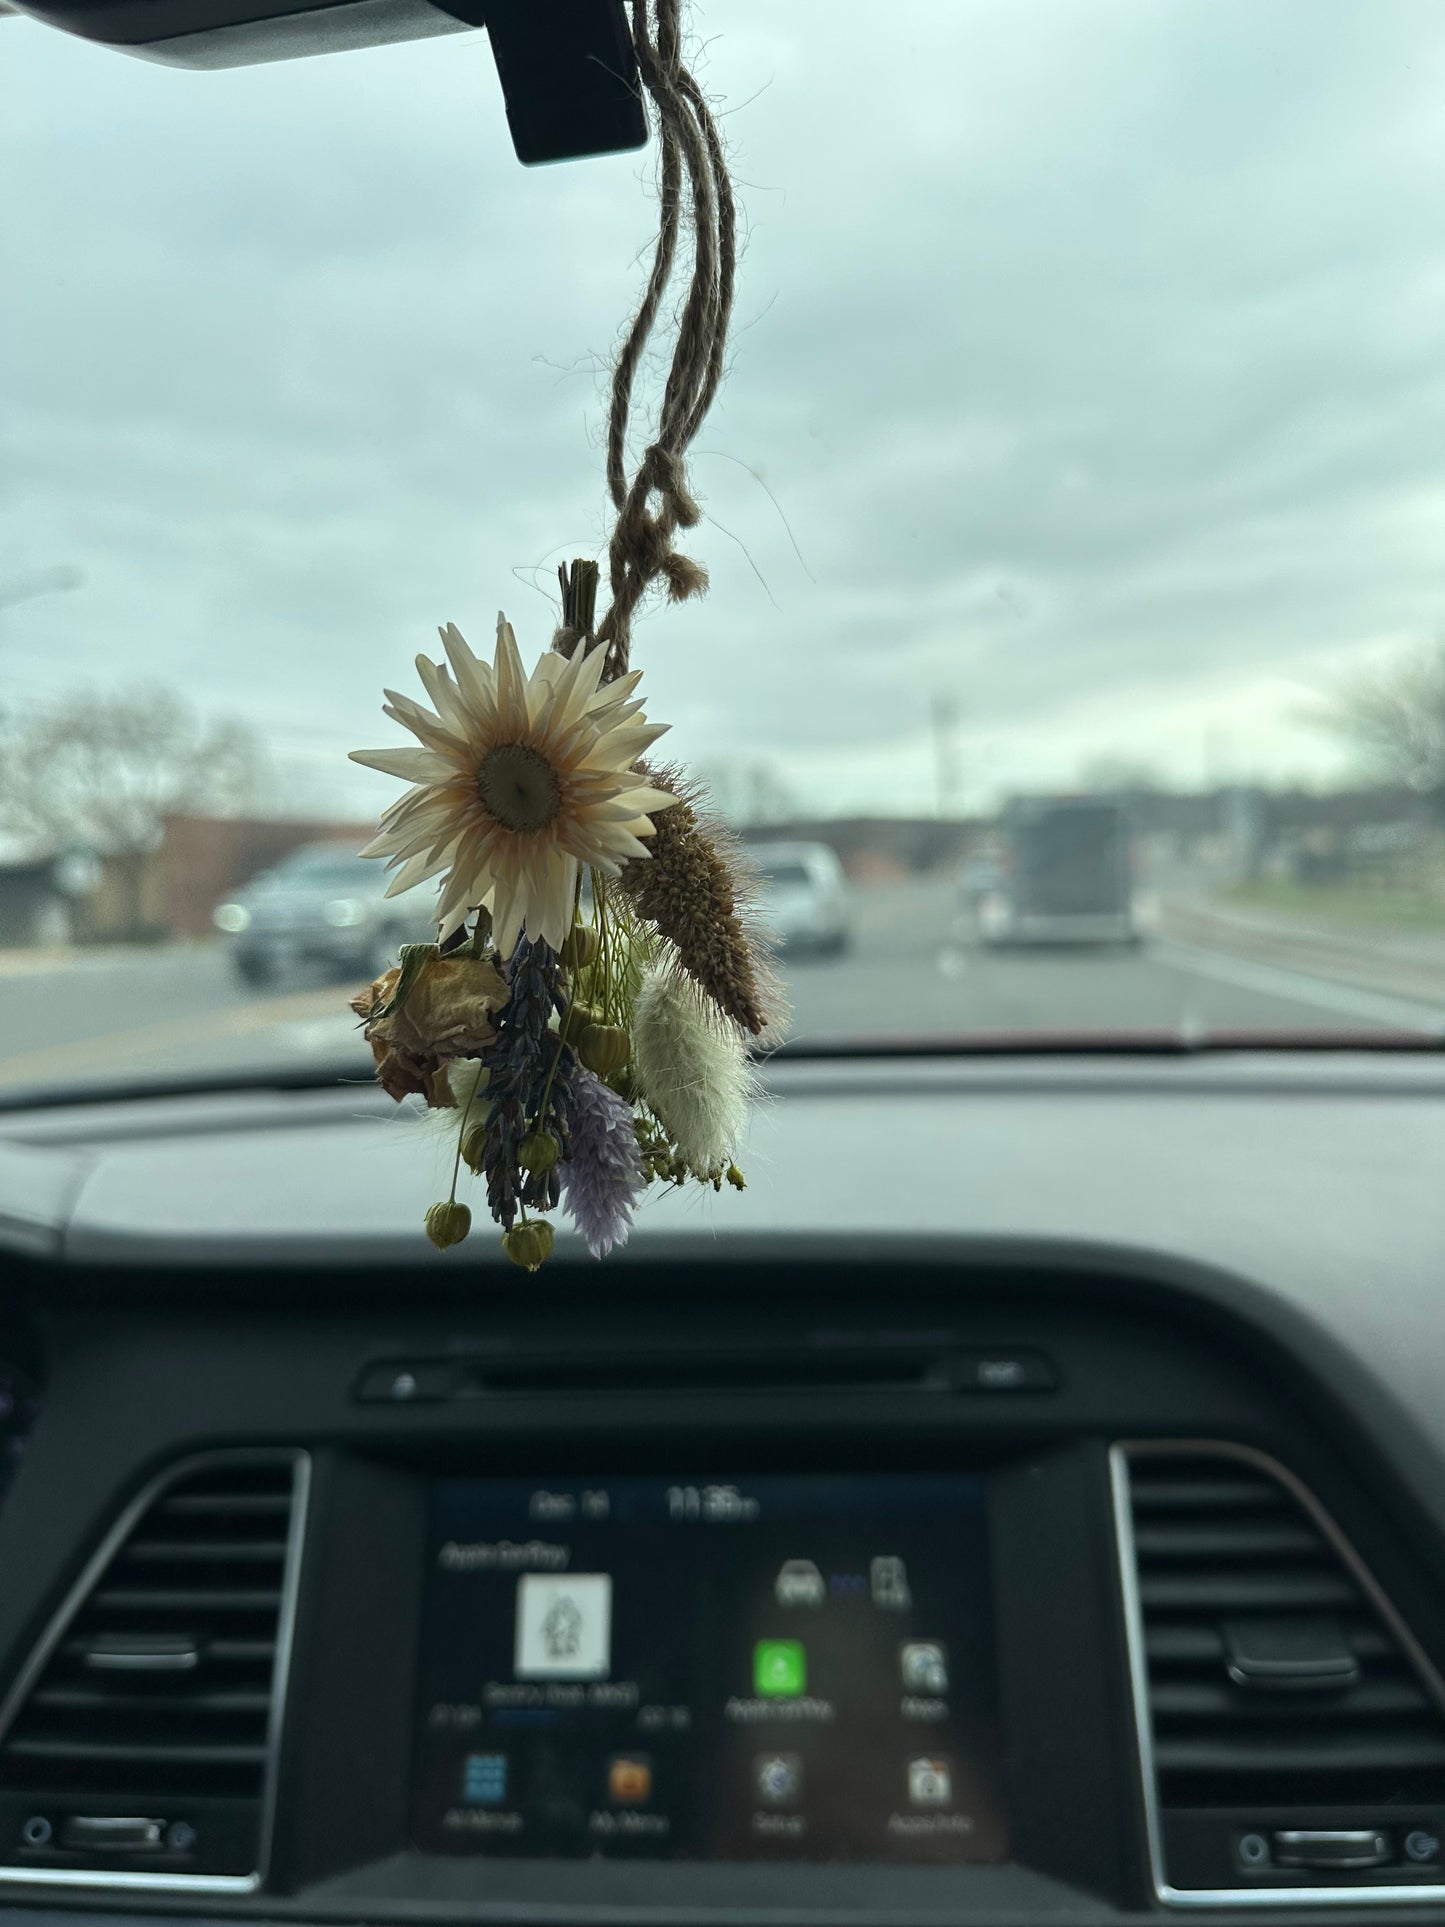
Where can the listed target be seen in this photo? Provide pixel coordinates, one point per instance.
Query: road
(914, 967)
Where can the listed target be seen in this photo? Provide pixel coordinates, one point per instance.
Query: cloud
(1090, 354)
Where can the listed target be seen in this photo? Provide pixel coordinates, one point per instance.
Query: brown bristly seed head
(696, 888)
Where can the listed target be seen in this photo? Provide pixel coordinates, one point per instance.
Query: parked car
(323, 905)
(805, 896)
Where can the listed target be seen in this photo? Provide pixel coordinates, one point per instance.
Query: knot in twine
(642, 539)
(696, 200)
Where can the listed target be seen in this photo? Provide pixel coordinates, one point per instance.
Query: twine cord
(695, 201)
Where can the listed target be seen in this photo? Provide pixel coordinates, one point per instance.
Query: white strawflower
(520, 780)
(692, 1067)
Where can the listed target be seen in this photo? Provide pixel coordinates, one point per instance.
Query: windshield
(1071, 507)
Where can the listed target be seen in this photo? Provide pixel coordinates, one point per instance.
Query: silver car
(322, 905)
(804, 896)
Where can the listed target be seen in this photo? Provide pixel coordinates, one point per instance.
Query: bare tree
(749, 792)
(101, 771)
(1112, 772)
(1395, 716)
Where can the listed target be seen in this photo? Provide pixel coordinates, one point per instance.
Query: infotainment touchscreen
(783, 1667)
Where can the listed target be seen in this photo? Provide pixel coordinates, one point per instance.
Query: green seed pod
(528, 1244)
(605, 1049)
(580, 947)
(735, 1178)
(538, 1152)
(473, 1144)
(448, 1223)
(578, 1018)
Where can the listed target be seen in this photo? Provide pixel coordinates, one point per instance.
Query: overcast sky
(1092, 350)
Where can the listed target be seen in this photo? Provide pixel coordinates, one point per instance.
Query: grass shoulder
(1358, 904)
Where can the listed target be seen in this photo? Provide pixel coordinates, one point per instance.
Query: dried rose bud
(538, 1152)
(445, 1014)
(605, 1049)
(374, 995)
(448, 1223)
(528, 1244)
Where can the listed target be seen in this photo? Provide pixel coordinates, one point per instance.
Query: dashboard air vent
(140, 1740)
(1274, 1684)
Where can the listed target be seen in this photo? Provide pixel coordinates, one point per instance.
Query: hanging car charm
(588, 1009)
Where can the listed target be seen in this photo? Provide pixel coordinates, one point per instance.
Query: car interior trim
(1169, 1895)
(112, 1541)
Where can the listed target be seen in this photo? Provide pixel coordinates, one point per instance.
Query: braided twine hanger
(696, 204)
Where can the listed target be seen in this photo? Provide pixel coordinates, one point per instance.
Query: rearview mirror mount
(567, 67)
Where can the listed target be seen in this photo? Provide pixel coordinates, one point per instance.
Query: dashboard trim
(1359, 1896)
(79, 1592)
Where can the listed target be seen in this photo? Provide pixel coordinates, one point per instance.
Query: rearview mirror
(568, 73)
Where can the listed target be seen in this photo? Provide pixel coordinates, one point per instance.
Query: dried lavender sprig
(603, 1177)
(528, 1083)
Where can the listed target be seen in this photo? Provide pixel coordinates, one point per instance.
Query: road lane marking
(1274, 980)
(317, 1036)
(94, 959)
(955, 954)
(151, 1041)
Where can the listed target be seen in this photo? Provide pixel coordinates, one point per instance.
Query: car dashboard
(1023, 1504)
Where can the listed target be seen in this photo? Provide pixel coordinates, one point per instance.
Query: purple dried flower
(529, 1075)
(602, 1174)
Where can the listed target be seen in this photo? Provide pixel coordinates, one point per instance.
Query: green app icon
(780, 1668)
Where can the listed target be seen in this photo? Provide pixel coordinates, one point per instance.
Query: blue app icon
(484, 1779)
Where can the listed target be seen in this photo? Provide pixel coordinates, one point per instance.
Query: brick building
(202, 859)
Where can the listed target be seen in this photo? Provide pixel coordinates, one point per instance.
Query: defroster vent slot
(720, 1372)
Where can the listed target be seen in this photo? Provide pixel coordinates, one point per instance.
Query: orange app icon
(629, 1780)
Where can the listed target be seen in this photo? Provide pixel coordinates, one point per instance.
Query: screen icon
(930, 1783)
(629, 1779)
(484, 1780)
(799, 1583)
(778, 1779)
(564, 1626)
(780, 1668)
(924, 1666)
(888, 1580)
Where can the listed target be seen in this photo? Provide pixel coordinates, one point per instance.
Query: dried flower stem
(606, 939)
(461, 1139)
(543, 1101)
